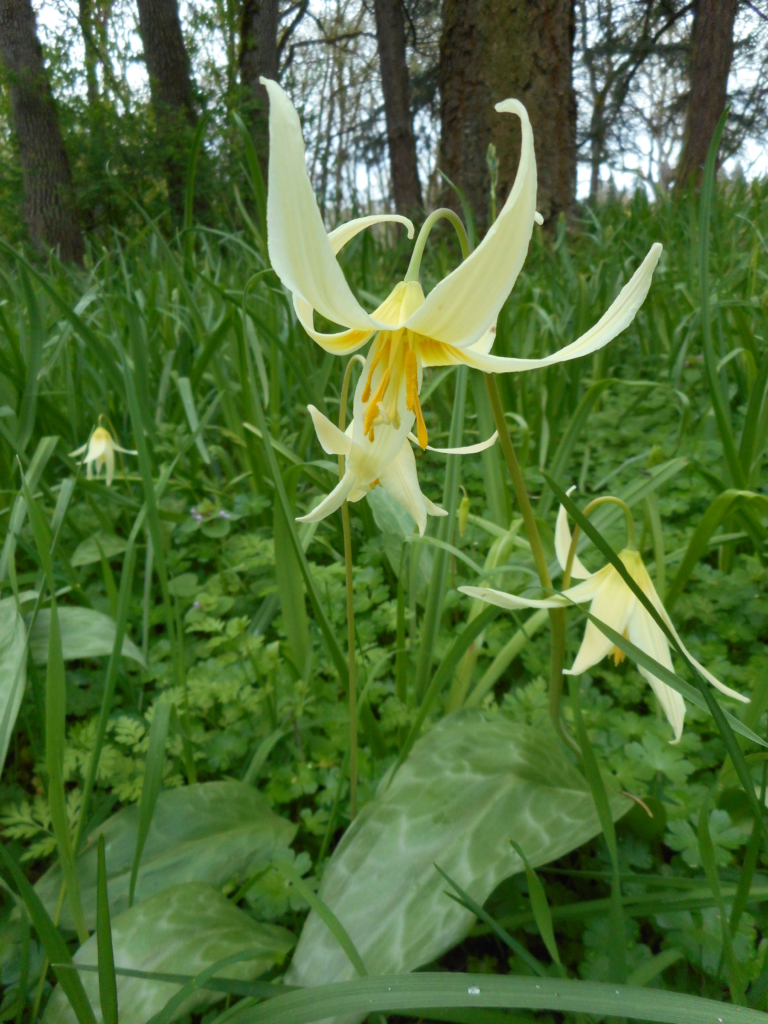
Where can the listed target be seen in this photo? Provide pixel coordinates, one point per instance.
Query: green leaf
(106, 956)
(444, 989)
(85, 633)
(540, 907)
(87, 552)
(468, 786)
(212, 832)
(13, 670)
(185, 929)
(290, 583)
(45, 449)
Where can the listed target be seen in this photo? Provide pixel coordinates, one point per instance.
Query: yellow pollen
(370, 435)
(412, 396)
(373, 405)
(618, 654)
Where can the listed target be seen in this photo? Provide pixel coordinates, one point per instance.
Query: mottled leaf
(85, 633)
(469, 786)
(210, 832)
(180, 931)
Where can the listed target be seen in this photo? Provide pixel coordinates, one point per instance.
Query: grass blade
(153, 781)
(106, 957)
(540, 908)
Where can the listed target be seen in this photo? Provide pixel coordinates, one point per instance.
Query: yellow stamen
(370, 435)
(412, 396)
(618, 654)
(374, 364)
(373, 406)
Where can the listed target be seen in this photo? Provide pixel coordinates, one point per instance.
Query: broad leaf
(88, 551)
(469, 786)
(210, 832)
(13, 670)
(85, 633)
(180, 931)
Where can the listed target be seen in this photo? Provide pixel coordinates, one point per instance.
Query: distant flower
(100, 450)
(224, 514)
(197, 516)
(612, 602)
(454, 324)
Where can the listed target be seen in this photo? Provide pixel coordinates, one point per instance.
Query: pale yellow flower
(100, 449)
(454, 324)
(612, 602)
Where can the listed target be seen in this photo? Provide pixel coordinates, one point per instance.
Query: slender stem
(350, 604)
(556, 615)
(412, 273)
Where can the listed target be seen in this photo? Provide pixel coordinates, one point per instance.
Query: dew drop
(473, 990)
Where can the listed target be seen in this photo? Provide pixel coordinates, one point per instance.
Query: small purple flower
(196, 515)
(225, 515)
(196, 604)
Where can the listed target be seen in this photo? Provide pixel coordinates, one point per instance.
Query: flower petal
(612, 604)
(79, 451)
(343, 342)
(462, 307)
(299, 248)
(332, 501)
(109, 456)
(563, 544)
(332, 440)
(502, 600)
(469, 449)
(619, 316)
(645, 634)
(401, 482)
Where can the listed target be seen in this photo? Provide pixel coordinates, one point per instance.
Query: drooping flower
(454, 324)
(388, 461)
(612, 602)
(100, 451)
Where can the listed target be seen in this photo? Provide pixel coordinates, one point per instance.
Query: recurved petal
(346, 232)
(332, 501)
(401, 482)
(469, 449)
(612, 604)
(299, 247)
(645, 634)
(503, 600)
(109, 458)
(332, 440)
(619, 316)
(563, 544)
(463, 306)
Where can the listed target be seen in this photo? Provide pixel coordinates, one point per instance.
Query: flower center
(394, 365)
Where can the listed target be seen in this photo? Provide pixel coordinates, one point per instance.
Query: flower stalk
(350, 602)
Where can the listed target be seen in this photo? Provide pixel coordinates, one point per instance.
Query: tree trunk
(50, 208)
(85, 17)
(492, 50)
(258, 56)
(711, 56)
(390, 31)
(170, 86)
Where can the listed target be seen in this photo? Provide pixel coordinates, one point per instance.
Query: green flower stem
(418, 249)
(608, 499)
(556, 615)
(350, 604)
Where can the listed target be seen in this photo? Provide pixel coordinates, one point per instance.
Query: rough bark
(390, 32)
(49, 200)
(258, 56)
(495, 49)
(710, 65)
(170, 85)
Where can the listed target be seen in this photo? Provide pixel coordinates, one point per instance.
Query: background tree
(390, 33)
(258, 56)
(170, 87)
(49, 201)
(710, 66)
(494, 49)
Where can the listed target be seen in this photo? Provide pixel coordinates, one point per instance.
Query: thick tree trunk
(170, 87)
(492, 50)
(390, 31)
(258, 56)
(49, 200)
(710, 65)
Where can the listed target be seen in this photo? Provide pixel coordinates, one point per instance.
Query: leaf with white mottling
(13, 670)
(469, 786)
(209, 832)
(85, 633)
(180, 931)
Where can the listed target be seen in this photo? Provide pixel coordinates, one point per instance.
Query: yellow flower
(101, 449)
(454, 324)
(612, 602)
(387, 460)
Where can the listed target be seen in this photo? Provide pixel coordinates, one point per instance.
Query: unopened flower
(100, 451)
(454, 324)
(612, 602)
(387, 460)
